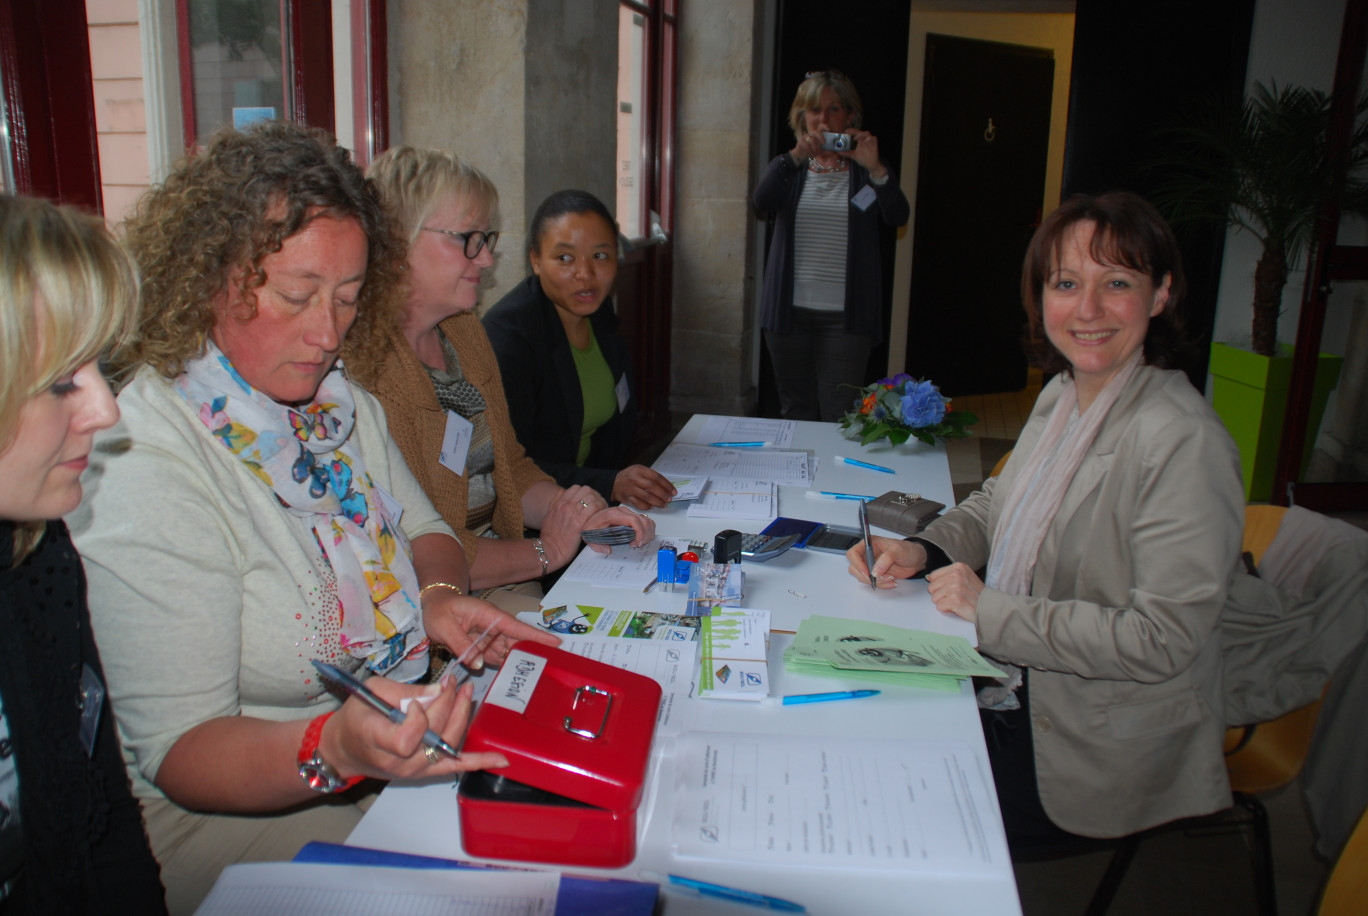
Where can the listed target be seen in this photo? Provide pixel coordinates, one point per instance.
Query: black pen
(869, 545)
(367, 696)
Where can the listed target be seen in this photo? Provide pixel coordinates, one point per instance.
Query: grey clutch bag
(905, 513)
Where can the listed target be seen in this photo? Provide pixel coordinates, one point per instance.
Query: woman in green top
(564, 367)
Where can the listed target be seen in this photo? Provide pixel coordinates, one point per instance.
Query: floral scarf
(306, 456)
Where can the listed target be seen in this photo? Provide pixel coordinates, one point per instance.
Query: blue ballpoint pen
(795, 699)
(865, 464)
(737, 444)
(367, 696)
(832, 494)
(736, 895)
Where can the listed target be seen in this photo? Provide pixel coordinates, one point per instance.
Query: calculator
(762, 547)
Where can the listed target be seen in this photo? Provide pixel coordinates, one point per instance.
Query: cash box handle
(583, 732)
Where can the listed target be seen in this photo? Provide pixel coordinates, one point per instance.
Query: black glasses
(472, 241)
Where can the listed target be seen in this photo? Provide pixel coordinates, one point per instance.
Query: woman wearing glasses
(439, 383)
(822, 303)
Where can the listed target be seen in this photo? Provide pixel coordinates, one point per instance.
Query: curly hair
(810, 94)
(1128, 232)
(222, 211)
(68, 292)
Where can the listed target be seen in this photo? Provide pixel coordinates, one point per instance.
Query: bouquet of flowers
(900, 407)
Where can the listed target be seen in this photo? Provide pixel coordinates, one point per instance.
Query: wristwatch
(317, 774)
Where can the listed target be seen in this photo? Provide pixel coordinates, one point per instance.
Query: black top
(543, 388)
(779, 190)
(85, 850)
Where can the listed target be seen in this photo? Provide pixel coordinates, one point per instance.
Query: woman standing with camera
(821, 308)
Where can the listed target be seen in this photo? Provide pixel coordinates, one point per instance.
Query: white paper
(774, 433)
(784, 468)
(755, 500)
(625, 567)
(309, 889)
(864, 198)
(853, 803)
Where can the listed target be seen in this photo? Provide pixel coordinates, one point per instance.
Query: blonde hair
(416, 181)
(810, 95)
(222, 211)
(68, 292)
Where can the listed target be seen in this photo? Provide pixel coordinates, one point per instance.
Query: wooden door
(980, 186)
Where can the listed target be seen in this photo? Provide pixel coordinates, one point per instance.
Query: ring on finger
(431, 754)
(584, 504)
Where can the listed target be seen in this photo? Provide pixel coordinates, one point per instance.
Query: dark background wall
(1134, 66)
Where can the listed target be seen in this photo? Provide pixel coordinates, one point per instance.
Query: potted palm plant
(1263, 168)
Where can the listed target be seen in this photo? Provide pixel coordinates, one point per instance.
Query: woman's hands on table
(894, 559)
(954, 589)
(643, 488)
(579, 508)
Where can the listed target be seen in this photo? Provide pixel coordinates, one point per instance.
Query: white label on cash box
(517, 681)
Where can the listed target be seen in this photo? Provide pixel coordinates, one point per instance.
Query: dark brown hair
(1129, 233)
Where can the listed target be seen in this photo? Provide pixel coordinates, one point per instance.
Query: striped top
(819, 242)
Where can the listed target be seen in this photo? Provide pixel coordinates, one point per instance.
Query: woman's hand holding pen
(360, 741)
(894, 559)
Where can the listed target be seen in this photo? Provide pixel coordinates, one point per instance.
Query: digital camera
(841, 143)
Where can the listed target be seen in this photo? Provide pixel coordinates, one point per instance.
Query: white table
(422, 818)
(801, 583)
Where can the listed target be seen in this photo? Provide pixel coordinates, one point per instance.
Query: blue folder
(578, 896)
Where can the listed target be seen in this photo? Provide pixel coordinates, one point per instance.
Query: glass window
(237, 61)
(631, 126)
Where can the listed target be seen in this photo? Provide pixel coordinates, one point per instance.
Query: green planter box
(1250, 394)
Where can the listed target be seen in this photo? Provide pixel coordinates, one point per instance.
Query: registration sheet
(773, 433)
(784, 468)
(342, 890)
(856, 803)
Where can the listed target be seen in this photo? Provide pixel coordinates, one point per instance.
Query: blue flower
(922, 405)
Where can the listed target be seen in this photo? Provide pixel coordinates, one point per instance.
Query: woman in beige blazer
(1109, 541)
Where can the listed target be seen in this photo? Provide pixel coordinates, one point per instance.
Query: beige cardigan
(1121, 628)
(417, 423)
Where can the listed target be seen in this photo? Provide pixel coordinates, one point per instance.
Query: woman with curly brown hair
(250, 514)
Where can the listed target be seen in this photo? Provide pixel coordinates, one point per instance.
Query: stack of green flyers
(863, 650)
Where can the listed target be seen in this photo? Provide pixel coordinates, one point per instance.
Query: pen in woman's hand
(366, 695)
(868, 546)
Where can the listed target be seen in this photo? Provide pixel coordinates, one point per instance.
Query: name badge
(623, 394)
(864, 198)
(388, 504)
(516, 681)
(456, 442)
(92, 702)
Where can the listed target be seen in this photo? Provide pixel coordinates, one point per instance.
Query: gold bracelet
(541, 553)
(424, 590)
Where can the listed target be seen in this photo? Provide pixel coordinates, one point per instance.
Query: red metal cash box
(577, 734)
